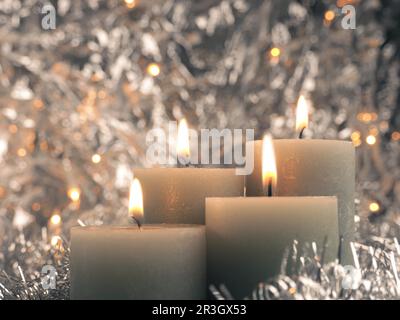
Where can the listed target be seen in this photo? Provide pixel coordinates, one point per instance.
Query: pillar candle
(247, 237)
(313, 168)
(155, 262)
(177, 195)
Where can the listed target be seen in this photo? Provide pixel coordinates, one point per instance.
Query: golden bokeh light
(275, 52)
(74, 194)
(329, 15)
(396, 136)
(55, 219)
(370, 139)
(96, 158)
(21, 152)
(130, 4)
(153, 69)
(374, 207)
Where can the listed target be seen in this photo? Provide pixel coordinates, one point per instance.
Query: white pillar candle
(156, 262)
(247, 237)
(177, 195)
(313, 168)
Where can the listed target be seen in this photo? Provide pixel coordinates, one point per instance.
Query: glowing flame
(301, 114)
(136, 200)
(269, 172)
(183, 148)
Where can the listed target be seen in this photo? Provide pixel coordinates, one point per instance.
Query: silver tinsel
(77, 101)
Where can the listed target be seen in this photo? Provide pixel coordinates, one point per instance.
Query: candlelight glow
(269, 172)
(301, 114)
(136, 200)
(183, 148)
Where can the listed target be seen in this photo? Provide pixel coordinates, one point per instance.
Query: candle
(177, 195)
(312, 168)
(138, 262)
(247, 236)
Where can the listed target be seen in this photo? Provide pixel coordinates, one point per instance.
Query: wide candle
(312, 168)
(177, 195)
(138, 262)
(247, 236)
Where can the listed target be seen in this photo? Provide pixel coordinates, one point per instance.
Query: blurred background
(76, 100)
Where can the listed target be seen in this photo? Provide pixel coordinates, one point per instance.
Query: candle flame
(301, 114)
(269, 172)
(136, 200)
(183, 148)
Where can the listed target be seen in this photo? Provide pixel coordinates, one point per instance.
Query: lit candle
(177, 195)
(312, 168)
(138, 262)
(247, 236)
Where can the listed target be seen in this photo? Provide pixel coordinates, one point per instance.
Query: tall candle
(247, 236)
(138, 262)
(177, 195)
(312, 168)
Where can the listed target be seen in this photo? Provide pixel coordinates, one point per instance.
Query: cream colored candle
(247, 237)
(177, 195)
(138, 262)
(156, 262)
(313, 168)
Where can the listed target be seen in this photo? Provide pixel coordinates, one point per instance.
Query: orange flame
(269, 172)
(136, 200)
(301, 114)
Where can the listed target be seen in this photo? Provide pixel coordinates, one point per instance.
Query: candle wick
(185, 164)
(301, 133)
(137, 222)
(269, 189)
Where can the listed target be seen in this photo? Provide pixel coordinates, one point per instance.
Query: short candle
(131, 262)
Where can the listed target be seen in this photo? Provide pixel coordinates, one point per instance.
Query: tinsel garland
(377, 261)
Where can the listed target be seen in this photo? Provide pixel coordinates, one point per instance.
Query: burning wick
(301, 133)
(269, 172)
(183, 147)
(136, 202)
(269, 189)
(301, 116)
